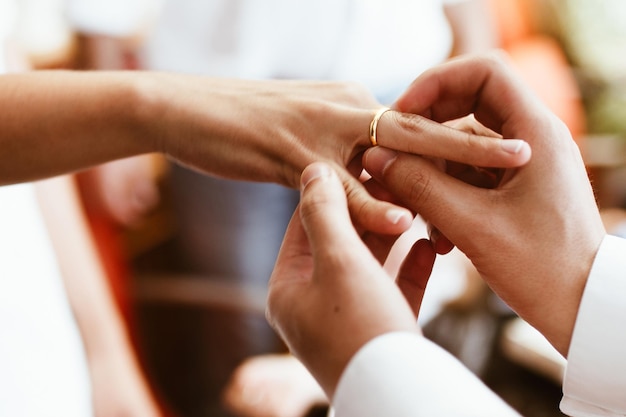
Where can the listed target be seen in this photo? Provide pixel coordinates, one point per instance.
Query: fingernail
(395, 216)
(313, 172)
(377, 159)
(512, 145)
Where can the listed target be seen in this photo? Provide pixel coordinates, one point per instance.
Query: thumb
(324, 212)
(455, 208)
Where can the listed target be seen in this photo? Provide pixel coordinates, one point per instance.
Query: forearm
(118, 384)
(56, 122)
(84, 277)
(60, 121)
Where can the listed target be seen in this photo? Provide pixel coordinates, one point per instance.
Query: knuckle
(352, 190)
(362, 205)
(496, 59)
(312, 205)
(561, 129)
(473, 144)
(419, 187)
(410, 122)
(415, 126)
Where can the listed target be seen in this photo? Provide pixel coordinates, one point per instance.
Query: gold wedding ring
(374, 124)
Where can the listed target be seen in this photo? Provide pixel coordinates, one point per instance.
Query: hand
(479, 176)
(271, 130)
(328, 294)
(272, 386)
(252, 130)
(533, 238)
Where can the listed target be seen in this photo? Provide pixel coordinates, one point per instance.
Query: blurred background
(183, 260)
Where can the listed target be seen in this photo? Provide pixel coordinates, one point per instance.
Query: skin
(533, 237)
(327, 281)
(119, 387)
(126, 201)
(61, 121)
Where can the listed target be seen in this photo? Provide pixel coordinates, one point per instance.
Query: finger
(325, 217)
(485, 86)
(376, 190)
(477, 176)
(470, 124)
(418, 135)
(372, 214)
(379, 244)
(415, 272)
(450, 205)
(294, 262)
(440, 243)
(355, 166)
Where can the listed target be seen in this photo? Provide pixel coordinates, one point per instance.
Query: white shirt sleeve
(404, 374)
(595, 377)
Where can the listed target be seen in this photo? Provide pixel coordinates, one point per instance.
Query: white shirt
(403, 374)
(595, 378)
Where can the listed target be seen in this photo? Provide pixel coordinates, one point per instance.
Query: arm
(56, 122)
(351, 325)
(118, 385)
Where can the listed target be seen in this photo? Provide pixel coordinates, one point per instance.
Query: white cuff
(595, 377)
(406, 375)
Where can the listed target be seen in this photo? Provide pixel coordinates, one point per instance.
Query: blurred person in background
(43, 363)
(229, 231)
(50, 217)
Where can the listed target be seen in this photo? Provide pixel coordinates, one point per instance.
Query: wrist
(146, 101)
(557, 321)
